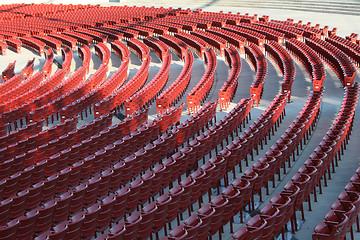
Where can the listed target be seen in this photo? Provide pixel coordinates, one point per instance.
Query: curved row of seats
(303, 183)
(337, 59)
(173, 93)
(310, 60)
(284, 62)
(227, 91)
(198, 94)
(258, 60)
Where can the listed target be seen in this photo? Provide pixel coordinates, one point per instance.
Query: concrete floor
(301, 88)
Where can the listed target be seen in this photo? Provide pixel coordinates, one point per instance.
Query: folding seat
(206, 214)
(77, 201)
(9, 230)
(128, 170)
(74, 226)
(75, 174)
(18, 205)
(132, 224)
(145, 189)
(116, 232)
(34, 197)
(89, 225)
(104, 217)
(179, 232)
(62, 209)
(25, 180)
(56, 233)
(190, 155)
(256, 226)
(45, 219)
(18, 163)
(27, 224)
(116, 177)
(282, 203)
(100, 161)
(49, 187)
(219, 204)
(63, 160)
(12, 184)
(146, 224)
(159, 180)
(333, 226)
(188, 185)
(92, 190)
(52, 165)
(5, 207)
(269, 213)
(348, 209)
(161, 214)
(6, 168)
(63, 180)
(192, 225)
(234, 198)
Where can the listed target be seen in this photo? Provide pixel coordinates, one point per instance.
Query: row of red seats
(51, 102)
(310, 60)
(270, 34)
(308, 30)
(110, 34)
(85, 55)
(250, 35)
(185, 25)
(8, 73)
(22, 102)
(66, 40)
(14, 44)
(173, 93)
(50, 42)
(47, 67)
(288, 31)
(177, 46)
(24, 87)
(33, 43)
(160, 49)
(157, 29)
(150, 90)
(172, 27)
(10, 84)
(40, 161)
(128, 34)
(228, 89)
(96, 36)
(199, 93)
(138, 48)
(67, 56)
(234, 39)
(36, 140)
(344, 211)
(103, 52)
(113, 83)
(214, 41)
(126, 91)
(303, 183)
(194, 43)
(347, 42)
(258, 60)
(85, 95)
(285, 64)
(20, 134)
(141, 31)
(348, 50)
(28, 70)
(337, 59)
(120, 50)
(81, 38)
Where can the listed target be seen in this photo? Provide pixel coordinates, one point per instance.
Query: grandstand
(192, 120)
